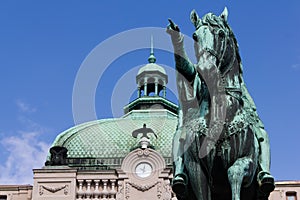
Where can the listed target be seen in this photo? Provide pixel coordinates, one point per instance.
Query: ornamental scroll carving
(120, 192)
(159, 190)
(10, 196)
(127, 190)
(167, 190)
(145, 152)
(164, 190)
(53, 189)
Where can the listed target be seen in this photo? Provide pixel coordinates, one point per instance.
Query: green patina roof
(111, 138)
(151, 101)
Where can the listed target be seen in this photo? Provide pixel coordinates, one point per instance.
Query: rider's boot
(266, 182)
(264, 178)
(180, 179)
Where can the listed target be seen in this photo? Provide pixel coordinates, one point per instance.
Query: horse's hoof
(179, 186)
(267, 184)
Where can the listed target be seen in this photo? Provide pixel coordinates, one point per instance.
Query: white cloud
(25, 152)
(22, 150)
(25, 107)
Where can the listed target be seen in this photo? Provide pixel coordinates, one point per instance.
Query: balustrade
(105, 189)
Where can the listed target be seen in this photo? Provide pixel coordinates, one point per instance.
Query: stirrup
(266, 182)
(179, 184)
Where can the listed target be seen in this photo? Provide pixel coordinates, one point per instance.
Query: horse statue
(220, 148)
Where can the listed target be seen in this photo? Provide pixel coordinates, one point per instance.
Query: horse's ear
(224, 14)
(195, 18)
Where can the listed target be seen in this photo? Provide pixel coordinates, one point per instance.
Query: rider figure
(188, 106)
(189, 96)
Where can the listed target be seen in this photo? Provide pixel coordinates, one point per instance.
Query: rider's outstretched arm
(183, 64)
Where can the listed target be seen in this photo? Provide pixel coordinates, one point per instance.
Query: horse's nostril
(195, 37)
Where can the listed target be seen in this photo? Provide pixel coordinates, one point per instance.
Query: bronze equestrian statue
(220, 149)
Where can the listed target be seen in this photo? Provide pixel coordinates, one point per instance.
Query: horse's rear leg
(238, 173)
(198, 185)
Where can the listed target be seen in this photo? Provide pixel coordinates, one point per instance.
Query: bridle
(220, 56)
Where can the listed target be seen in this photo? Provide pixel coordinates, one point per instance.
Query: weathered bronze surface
(58, 156)
(220, 148)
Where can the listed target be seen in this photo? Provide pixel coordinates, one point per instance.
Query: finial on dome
(145, 139)
(151, 58)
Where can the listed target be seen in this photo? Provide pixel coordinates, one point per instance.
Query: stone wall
(16, 192)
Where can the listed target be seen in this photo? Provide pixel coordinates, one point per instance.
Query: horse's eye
(195, 37)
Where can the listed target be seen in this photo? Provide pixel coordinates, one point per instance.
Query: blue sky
(43, 46)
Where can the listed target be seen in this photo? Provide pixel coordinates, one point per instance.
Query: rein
(236, 126)
(220, 57)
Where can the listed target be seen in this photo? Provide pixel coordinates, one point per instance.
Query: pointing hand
(172, 27)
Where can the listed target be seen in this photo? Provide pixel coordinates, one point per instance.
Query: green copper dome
(111, 139)
(106, 142)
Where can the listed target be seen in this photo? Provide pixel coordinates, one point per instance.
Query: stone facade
(69, 184)
(15, 192)
(286, 190)
(131, 181)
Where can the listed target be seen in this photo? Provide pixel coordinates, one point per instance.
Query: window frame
(291, 194)
(3, 197)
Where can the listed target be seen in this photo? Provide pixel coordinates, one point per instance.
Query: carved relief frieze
(53, 189)
(143, 187)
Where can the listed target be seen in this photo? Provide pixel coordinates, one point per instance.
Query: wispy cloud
(22, 150)
(296, 66)
(25, 107)
(25, 152)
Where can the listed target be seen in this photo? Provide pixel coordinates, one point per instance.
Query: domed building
(119, 158)
(127, 158)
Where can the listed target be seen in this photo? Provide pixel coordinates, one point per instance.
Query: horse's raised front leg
(241, 171)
